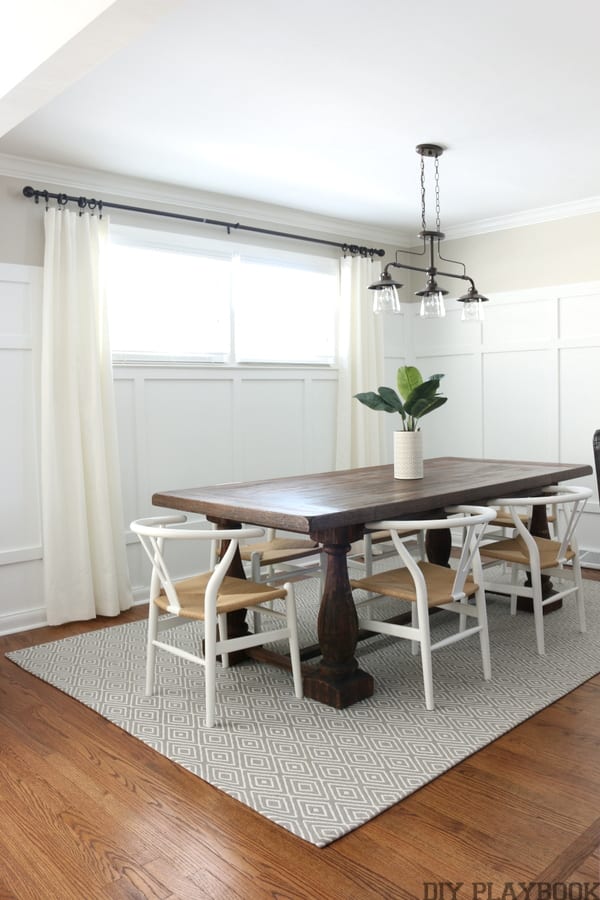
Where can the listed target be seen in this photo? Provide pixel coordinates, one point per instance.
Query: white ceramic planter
(408, 454)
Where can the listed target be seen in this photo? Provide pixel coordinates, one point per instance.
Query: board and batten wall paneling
(21, 604)
(452, 348)
(521, 384)
(181, 426)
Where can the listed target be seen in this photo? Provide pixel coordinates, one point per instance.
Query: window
(172, 298)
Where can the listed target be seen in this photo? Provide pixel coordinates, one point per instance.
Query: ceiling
(318, 105)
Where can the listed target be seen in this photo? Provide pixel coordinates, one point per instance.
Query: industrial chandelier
(432, 296)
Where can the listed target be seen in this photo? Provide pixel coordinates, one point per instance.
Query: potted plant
(415, 398)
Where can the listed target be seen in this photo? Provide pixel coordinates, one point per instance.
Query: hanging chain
(437, 194)
(423, 222)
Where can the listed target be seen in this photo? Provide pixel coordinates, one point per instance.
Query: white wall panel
(21, 596)
(188, 432)
(520, 405)
(270, 428)
(579, 318)
(15, 304)
(455, 429)
(516, 324)
(19, 482)
(128, 449)
(320, 424)
(579, 410)
(440, 336)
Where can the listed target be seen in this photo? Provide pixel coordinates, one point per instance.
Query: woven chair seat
(234, 593)
(399, 583)
(514, 550)
(279, 550)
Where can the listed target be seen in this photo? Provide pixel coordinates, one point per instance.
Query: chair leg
(579, 595)
(210, 664)
(538, 613)
(222, 619)
(150, 648)
(462, 618)
(414, 622)
(426, 665)
(368, 554)
(292, 624)
(427, 674)
(484, 637)
(514, 580)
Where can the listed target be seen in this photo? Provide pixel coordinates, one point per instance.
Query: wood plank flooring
(87, 812)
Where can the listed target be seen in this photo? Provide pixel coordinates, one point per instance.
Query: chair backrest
(569, 502)
(152, 533)
(472, 520)
(596, 443)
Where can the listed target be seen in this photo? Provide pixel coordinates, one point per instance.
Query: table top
(313, 503)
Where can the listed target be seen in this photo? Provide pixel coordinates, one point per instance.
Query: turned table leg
(337, 680)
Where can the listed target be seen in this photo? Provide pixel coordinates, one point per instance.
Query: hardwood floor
(86, 812)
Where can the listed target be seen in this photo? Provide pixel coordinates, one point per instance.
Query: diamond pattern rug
(313, 770)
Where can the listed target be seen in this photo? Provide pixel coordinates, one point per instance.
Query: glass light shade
(386, 299)
(433, 306)
(472, 311)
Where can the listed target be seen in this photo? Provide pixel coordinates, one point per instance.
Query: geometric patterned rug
(316, 771)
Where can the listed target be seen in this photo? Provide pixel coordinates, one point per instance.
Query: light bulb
(472, 311)
(433, 306)
(386, 299)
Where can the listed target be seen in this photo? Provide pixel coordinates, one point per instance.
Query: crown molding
(90, 181)
(527, 217)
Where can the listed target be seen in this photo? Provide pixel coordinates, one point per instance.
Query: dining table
(333, 508)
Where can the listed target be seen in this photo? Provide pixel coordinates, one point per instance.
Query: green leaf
(392, 399)
(374, 401)
(408, 378)
(421, 406)
(425, 389)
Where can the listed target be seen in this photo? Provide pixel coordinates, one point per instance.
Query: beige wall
(532, 256)
(21, 225)
(22, 230)
(559, 252)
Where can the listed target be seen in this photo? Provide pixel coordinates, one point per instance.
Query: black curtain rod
(92, 204)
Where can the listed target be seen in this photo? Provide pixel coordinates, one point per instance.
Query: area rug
(313, 770)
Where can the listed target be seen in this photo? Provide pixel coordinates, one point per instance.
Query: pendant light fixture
(432, 296)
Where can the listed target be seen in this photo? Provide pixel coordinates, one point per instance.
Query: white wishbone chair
(208, 597)
(539, 556)
(426, 585)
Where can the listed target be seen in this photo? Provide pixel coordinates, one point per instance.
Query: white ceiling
(318, 105)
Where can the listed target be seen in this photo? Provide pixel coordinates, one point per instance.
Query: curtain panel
(85, 566)
(360, 431)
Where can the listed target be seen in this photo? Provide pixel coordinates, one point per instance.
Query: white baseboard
(28, 620)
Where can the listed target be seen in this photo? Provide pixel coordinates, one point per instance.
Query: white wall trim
(89, 182)
(537, 216)
(20, 555)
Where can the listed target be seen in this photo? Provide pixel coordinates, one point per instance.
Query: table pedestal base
(338, 693)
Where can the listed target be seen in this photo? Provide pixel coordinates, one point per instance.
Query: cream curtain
(360, 431)
(85, 567)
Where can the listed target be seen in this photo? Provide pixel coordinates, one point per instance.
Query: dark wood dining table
(333, 508)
